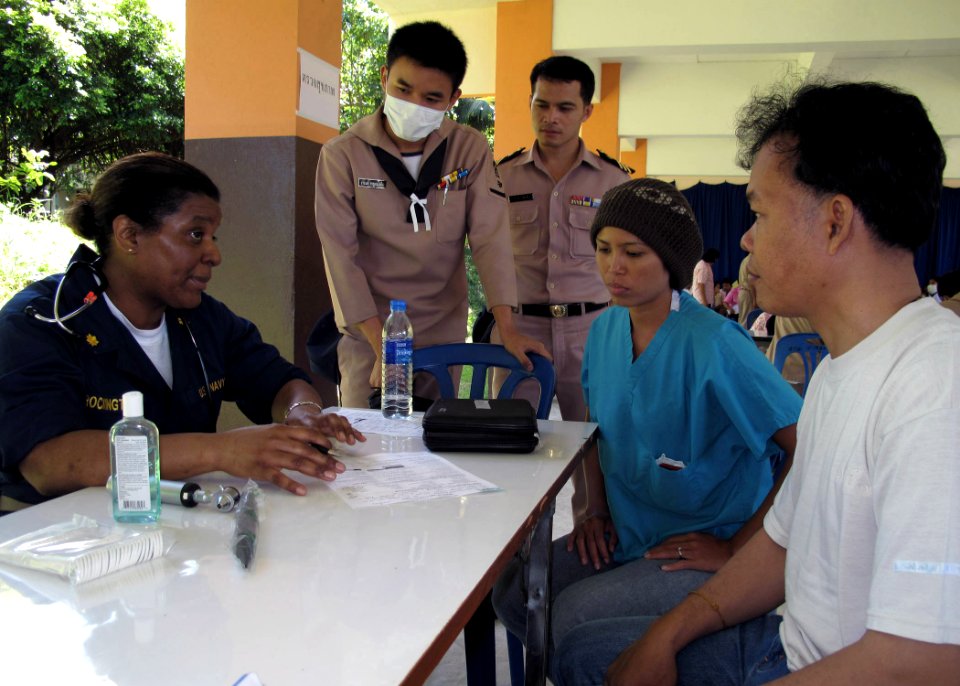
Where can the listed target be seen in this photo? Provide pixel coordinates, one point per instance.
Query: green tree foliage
(89, 82)
(477, 113)
(26, 177)
(364, 50)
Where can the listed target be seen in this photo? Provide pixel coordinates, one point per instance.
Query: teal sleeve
(755, 398)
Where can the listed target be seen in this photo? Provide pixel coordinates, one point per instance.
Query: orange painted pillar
(600, 130)
(242, 128)
(524, 37)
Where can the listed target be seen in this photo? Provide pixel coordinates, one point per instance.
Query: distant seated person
(731, 306)
(135, 317)
(720, 294)
(763, 324)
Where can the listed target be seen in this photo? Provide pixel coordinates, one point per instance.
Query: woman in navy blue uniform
(134, 316)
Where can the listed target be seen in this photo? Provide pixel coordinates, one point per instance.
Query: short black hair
(711, 255)
(869, 141)
(430, 44)
(564, 68)
(147, 187)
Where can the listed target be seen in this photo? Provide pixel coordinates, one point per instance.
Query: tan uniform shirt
(373, 255)
(746, 300)
(550, 226)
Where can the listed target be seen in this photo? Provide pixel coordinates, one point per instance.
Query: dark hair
(564, 68)
(430, 44)
(711, 255)
(869, 141)
(145, 187)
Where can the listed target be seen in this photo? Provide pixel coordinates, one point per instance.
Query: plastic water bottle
(135, 464)
(397, 371)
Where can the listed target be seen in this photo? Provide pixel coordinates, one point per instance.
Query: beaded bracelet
(712, 603)
(298, 404)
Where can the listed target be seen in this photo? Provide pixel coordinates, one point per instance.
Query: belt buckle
(558, 311)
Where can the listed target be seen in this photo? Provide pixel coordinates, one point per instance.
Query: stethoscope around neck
(89, 299)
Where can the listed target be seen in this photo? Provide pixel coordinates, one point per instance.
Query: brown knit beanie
(658, 214)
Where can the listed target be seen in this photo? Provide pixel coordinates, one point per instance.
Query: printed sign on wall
(319, 90)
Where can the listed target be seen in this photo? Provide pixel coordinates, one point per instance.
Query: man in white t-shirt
(863, 540)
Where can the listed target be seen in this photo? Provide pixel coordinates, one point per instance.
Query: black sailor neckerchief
(430, 172)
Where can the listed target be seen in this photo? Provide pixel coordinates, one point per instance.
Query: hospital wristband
(300, 403)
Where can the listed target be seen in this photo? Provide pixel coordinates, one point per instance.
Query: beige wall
(637, 27)
(477, 28)
(688, 67)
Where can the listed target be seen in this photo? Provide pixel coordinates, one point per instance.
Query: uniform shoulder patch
(509, 157)
(615, 162)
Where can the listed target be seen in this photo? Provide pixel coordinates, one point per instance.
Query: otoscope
(190, 494)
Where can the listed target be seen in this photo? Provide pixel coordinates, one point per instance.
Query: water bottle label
(398, 352)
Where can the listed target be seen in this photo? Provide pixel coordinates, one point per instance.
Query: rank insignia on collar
(92, 340)
(616, 163)
(509, 157)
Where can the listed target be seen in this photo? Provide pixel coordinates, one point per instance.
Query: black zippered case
(481, 426)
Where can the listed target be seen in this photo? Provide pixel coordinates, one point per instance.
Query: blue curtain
(724, 215)
(941, 254)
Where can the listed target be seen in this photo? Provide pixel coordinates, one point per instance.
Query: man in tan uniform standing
(553, 192)
(397, 194)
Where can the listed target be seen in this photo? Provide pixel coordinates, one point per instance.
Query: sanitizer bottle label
(133, 473)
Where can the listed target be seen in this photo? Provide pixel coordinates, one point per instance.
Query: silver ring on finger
(680, 552)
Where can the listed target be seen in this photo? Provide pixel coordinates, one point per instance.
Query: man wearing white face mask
(397, 194)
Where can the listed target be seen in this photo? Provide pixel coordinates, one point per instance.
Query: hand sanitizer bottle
(135, 464)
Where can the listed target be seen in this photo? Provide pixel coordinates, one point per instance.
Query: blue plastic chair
(810, 348)
(437, 360)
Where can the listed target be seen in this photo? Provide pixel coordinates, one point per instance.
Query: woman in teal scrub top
(690, 415)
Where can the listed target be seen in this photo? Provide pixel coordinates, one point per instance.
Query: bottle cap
(398, 305)
(133, 404)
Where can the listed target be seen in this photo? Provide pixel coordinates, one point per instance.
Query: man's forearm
(748, 585)
(503, 315)
(881, 659)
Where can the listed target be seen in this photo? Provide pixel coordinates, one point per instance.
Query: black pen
(247, 528)
(325, 450)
